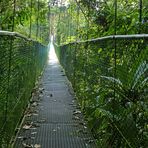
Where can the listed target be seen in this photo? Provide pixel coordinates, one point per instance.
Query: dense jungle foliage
(108, 76)
(85, 19)
(28, 17)
(21, 59)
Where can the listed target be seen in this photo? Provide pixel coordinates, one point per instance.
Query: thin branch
(81, 10)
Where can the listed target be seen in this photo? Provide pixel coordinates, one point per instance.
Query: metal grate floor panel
(50, 121)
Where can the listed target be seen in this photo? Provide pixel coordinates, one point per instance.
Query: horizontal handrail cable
(132, 36)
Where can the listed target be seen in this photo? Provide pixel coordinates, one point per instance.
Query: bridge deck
(53, 119)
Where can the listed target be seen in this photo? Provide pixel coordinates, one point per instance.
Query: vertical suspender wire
(86, 19)
(30, 35)
(140, 15)
(59, 22)
(13, 18)
(76, 47)
(115, 17)
(70, 29)
(71, 33)
(9, 67)
(115, 50)
(69, 19)
(40, 29)
(37, 44)
(115, 44)
(58, 38)
(86, 52)
(30, 27)
(49, 20)
(1, 16)
(60, 19)
(140, 22)
(115, 57)
(10, 53)
(37, 21)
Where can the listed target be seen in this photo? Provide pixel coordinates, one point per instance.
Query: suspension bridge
(53, 117)
(78, 91)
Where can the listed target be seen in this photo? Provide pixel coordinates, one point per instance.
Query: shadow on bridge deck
(53, 119)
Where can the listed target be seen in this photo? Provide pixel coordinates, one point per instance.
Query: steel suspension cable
(140, 14)
(13, 18)
(76, 47)
(37, 21)
(49, 18)
(30, 27)
(86, 51)
(115, 33)
(9, 65)
(115, 52)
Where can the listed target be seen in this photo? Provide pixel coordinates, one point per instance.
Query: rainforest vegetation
(109, 75)
(28, 17)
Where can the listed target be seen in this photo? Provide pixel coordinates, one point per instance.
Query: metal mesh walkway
(53, 119)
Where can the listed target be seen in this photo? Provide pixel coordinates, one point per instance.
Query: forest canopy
(85, 19)
(74, 19)
(28, 17)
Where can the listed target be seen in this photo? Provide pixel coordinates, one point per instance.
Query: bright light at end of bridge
(52, 55)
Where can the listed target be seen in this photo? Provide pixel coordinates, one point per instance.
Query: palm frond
(113, 80)
(142, 68)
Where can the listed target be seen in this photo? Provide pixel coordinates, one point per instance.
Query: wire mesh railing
(109, 76)
(21, 62)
